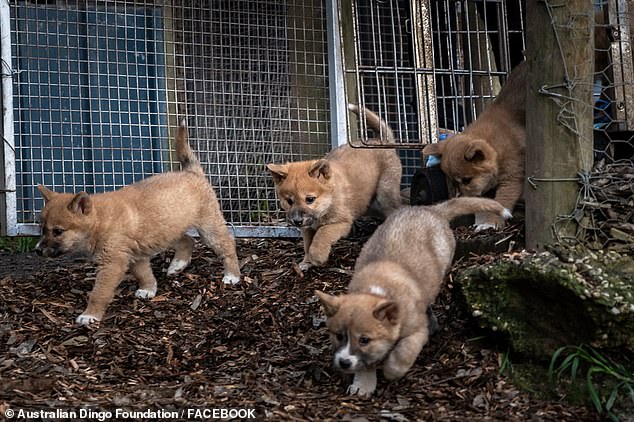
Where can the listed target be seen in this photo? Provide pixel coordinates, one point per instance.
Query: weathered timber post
(560, 54)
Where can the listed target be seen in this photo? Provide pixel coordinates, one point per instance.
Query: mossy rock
(566, 296)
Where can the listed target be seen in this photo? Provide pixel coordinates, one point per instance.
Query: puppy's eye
(57, 232)
(310, 199)
(290, 201)
(363, 341)
(466, 180)
(339, 336)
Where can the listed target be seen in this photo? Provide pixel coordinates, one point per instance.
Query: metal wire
(100, 87)
(255, 93)
(603, 216)
(424, 82)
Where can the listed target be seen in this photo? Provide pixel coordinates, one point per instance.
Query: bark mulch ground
(260, 345)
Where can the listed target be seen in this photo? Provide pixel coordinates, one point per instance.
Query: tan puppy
(383, 319)
(324, 197)
(489, 154)
(121, 230)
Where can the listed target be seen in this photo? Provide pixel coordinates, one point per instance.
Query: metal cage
(92, 93)
(426, 67)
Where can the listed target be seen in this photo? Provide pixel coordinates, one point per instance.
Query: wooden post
(559, 118)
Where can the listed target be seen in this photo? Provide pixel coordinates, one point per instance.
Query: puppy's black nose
(345, 363)
(297, 221)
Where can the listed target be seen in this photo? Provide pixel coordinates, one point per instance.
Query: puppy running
(384, 318)
(324, 197)
(489, 154)
(121, 230)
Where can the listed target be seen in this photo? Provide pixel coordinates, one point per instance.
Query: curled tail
(470, 205)
(380, 126)
(184, 154)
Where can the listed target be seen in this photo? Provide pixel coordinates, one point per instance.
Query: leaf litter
(261, 344)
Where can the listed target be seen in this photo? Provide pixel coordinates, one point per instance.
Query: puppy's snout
(296, 218)
(344, 363)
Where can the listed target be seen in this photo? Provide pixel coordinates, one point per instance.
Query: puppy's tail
(184, 153)
(470, 205)
(380, 126)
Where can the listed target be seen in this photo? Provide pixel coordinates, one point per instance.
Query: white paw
(507, 214)
(86, 319)
(231, 279)
(360, 390)
(484, 226)
(176, 266)
(305, 266)
(145, 294)
(364, 383)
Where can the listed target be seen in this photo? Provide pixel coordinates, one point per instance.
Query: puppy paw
(319, 259)
(86, 319)
(355, 390)
(231, 279)
(145, 293)
(485, 221)
(176, 266)
(364, 384)
(361, 391)
(305, 266)
(484, 226)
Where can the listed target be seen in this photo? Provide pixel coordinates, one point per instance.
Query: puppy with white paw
(384, 319)
(123, 229)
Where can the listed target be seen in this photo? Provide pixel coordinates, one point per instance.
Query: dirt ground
(260, 345)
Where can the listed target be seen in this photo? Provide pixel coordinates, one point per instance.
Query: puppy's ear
(477, 150)
(330, 303)
(320, 168)
(386, 311)
(47, 194)
(434, 149)
(278, 172)
(81, 204)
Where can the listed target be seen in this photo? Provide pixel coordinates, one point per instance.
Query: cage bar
(98, 89)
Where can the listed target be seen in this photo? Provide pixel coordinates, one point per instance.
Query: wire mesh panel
(256, 90)
(99, 88)
(429, 66)
(90, 103)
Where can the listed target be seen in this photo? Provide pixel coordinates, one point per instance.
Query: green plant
(18, 244)
(25, 244)
(585, 358)
(504, 362)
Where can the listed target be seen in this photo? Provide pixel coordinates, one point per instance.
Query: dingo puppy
(384, 318)
(121, 230)
(489, 154)
(324, 197)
